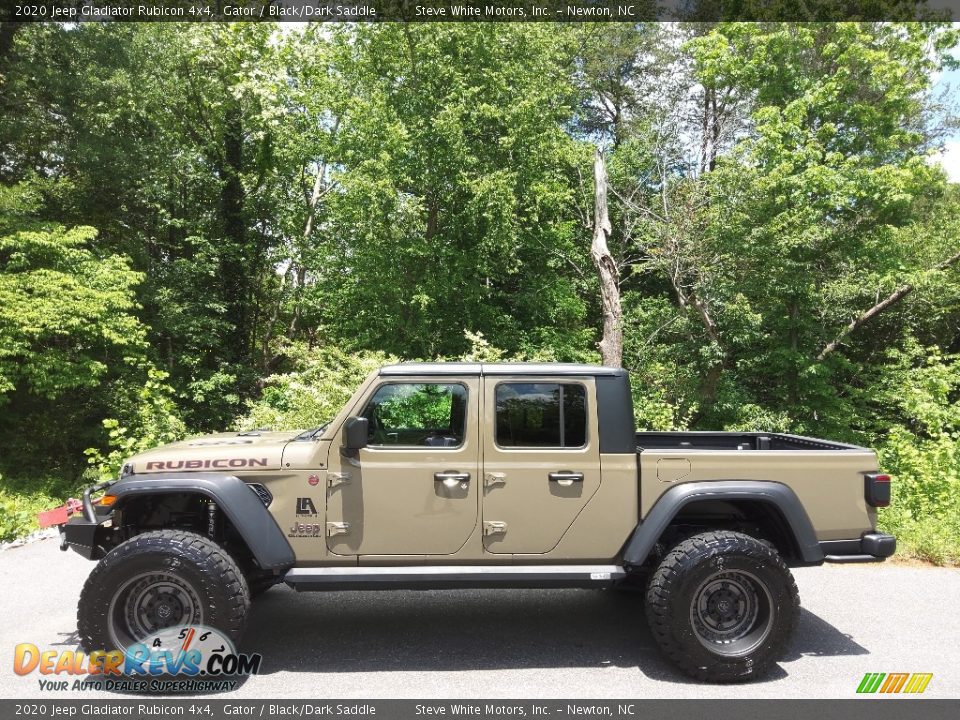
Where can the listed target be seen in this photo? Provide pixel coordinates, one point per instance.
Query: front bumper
(869, 547)
(80, 534)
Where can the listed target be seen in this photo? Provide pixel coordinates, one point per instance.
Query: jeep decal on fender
(305, 530)
(202, 464)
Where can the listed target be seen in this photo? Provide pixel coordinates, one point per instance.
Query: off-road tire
(684, 613)
(197, 562)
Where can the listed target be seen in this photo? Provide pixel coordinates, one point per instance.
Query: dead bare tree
(611, 346)
(661, 206)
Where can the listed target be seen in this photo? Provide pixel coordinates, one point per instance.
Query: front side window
(417, 414)
(541, 415)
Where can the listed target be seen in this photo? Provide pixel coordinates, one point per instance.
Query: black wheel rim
(731, 613)
(150, 602)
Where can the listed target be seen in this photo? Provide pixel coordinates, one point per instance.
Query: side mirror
(355, 435)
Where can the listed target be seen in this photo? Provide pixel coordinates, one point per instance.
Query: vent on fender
(265, 497)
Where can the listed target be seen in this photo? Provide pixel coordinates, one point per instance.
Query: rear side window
(412, 414)
(541, 415)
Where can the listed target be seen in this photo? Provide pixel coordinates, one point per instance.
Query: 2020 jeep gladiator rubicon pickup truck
(477, 475)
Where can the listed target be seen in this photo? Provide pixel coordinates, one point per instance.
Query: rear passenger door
(541, 460)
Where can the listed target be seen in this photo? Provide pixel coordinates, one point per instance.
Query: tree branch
(892, 299)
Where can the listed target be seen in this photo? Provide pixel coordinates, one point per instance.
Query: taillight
(877, 489)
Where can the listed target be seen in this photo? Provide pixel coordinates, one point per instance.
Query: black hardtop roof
(474, 368)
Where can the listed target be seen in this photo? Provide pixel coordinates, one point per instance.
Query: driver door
(413, 489)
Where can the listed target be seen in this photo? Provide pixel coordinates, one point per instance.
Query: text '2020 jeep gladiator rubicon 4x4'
(476, 475)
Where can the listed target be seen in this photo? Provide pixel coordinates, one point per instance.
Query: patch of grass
(933, 540)
(21, 500)
(924, 512)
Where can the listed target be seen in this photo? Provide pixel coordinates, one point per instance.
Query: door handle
(565, 477)
(452, 478)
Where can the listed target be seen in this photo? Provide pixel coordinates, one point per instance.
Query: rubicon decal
(220, 463)
(892, 683)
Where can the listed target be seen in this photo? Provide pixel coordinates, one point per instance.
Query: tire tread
(214, 564)
(664, 587)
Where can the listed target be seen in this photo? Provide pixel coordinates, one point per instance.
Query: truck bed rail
(708, 440)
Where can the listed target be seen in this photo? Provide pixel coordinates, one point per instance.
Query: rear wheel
(161, 579)
(723, 606)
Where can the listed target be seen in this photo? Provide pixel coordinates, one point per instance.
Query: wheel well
(759, 519)
(180, 510)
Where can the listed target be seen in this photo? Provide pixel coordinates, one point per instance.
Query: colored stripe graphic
(918, 682)
(893, 683)
(870, 682)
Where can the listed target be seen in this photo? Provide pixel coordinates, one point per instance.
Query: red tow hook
(59, 515)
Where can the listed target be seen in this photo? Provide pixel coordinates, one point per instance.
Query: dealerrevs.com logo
(191, 658)
(894, 683)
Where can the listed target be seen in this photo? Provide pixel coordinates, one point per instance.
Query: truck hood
(223, 452)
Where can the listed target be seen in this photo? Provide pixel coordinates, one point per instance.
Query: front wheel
(723, 606)
(157, 580)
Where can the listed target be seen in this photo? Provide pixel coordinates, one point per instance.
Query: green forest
(217, 226)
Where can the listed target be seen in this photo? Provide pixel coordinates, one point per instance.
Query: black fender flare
(241, 505)
(650, 529)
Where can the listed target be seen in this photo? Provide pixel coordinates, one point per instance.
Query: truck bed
(709, 440)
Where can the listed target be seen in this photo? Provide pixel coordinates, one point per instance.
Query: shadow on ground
(462, 630)
(478, 630)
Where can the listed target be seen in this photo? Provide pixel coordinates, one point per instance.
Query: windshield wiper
(312, 433)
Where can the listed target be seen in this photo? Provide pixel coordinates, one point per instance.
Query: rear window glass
(541, 415)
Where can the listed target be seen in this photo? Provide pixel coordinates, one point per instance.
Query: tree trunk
(295, 275)
(705, 132)
(611, 346)
(235, 266)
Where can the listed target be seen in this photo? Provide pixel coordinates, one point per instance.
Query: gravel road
(520, 643)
